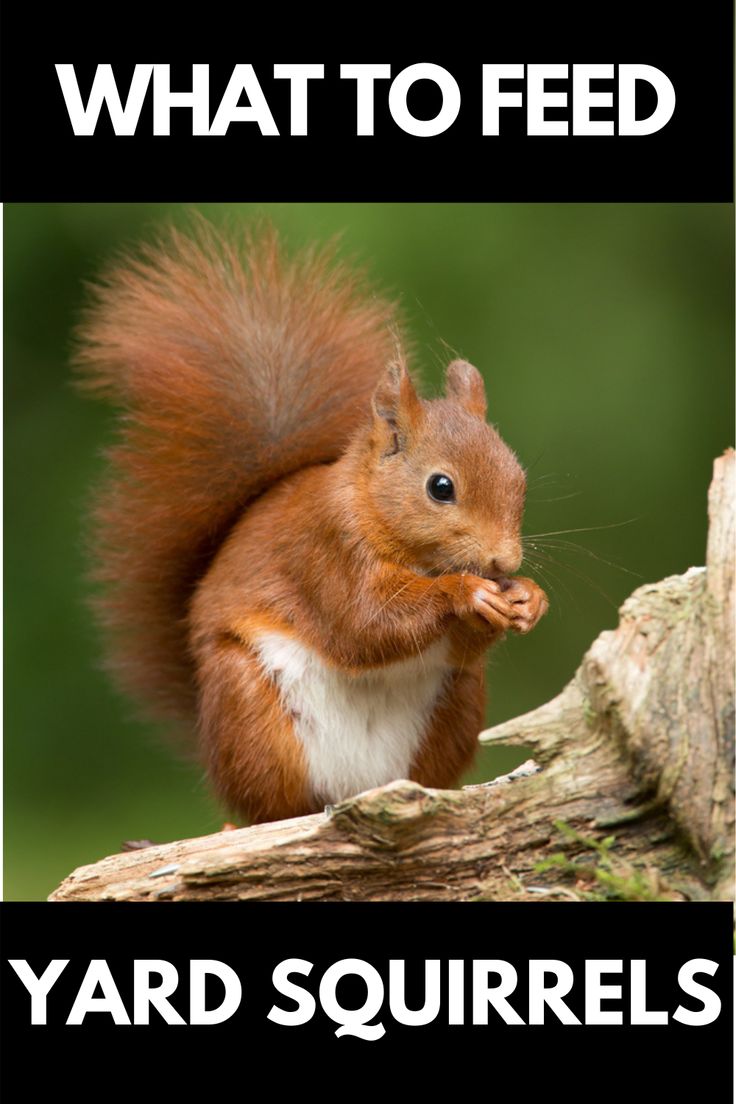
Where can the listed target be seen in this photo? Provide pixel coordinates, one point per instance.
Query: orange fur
(451, 739)
(263, 777)
(271, 475)
(233, 366)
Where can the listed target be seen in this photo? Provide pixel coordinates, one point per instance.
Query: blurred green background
(605, 336)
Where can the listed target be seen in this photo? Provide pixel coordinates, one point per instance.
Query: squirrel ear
(464, 383)
(396, 405)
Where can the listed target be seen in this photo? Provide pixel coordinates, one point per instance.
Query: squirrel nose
(506, 564)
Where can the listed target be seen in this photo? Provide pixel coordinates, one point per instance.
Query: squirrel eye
(441, 488)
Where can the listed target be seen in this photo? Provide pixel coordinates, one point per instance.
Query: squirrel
(299, 553)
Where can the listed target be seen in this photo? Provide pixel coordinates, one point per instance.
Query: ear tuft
(396, 405)
(464, 383)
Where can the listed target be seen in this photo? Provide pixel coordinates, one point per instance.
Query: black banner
(315, 993)
(535, 104)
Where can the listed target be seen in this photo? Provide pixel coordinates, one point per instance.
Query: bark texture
(630, 793)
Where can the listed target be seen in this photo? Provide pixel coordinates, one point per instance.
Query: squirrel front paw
(528, 600)
(484, 598)
(503, 604)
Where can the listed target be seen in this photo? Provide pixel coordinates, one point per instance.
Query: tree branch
(630, 794)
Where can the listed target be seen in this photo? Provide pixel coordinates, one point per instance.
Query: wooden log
(630, 793)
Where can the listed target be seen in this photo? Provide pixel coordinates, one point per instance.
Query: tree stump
(629, 796)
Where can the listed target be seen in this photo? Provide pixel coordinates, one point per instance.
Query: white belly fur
(357, 731)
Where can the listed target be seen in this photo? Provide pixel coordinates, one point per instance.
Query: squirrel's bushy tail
(232, 365)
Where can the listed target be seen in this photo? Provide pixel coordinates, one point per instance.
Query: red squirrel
(298, 551)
